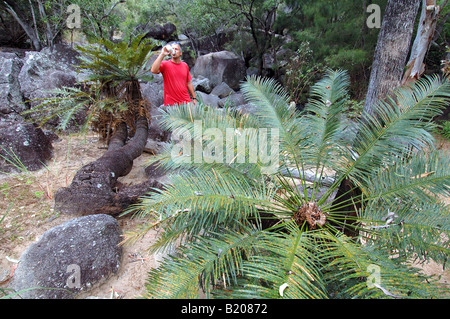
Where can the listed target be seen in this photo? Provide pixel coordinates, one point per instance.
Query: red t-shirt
(175, 78)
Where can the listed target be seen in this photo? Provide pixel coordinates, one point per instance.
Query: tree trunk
(392, 50)
(14, 11)
(427, 26)
(94, 189)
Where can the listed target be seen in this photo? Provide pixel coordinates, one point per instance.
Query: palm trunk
(94, 188)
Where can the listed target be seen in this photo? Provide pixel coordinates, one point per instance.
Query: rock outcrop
(218, 67)
(69, 258)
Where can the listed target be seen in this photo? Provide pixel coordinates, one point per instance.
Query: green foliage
(301, 73)
(112, 92)
(100, 18)
(109, 61)
(66, 103)
(243, 232)
(445, 131)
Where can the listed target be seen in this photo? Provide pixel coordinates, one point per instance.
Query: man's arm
(190, 88)
(156, 65)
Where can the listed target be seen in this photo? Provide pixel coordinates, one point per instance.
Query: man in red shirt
(176, 76)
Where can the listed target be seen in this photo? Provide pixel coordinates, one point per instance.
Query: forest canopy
(323, 34)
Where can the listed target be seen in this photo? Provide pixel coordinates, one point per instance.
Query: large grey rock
(201, 84)
(166, 32)
(222, 90)
(218, 67)
(248, 108)
(208, 99)
(22, 144)
(10, 95)
(234, 100)
(41, 72)
(154, 91)
(70, 258)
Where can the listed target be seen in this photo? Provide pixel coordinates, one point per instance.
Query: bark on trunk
(392, 50)
(427, 26)
(94, 189)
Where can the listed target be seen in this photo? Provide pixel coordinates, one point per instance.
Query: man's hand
(157, 63)
(165, 52)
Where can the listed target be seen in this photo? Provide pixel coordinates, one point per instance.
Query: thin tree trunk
(12, 9)
(427, 26)
(48, 26)
(391, 51)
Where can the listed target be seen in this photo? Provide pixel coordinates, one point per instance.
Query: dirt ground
(26, 207)
(27, 200)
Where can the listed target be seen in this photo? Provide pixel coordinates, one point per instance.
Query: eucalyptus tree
(44, 22)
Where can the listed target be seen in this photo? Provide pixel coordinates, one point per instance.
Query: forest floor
(26, 212)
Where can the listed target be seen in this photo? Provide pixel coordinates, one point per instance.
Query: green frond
(222, 139)
(401, 125)
(273, 108)
(195, 201)
(324, 115)
(414, 229)
(364, 271)
(117, 62)
(332, 89)
(424, 175)
(215, 260)
(186, 115)
(63, 104)
(325, 128)
(284, 268)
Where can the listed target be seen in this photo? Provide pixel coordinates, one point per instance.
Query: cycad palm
(245, 233)
(111, 94)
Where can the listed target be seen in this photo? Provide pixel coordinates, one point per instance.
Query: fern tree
(244, 231)
(111, 95)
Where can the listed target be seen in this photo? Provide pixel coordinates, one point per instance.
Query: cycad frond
(117, 62)
(215, 260)
(325, 144)
(401, 125)
(62, 104)
(198, 201)
(186, 115)
(422, 176)
(324, 116)
(273, 109)
(285, 268)
(211, 138)
(414, 229)
(352, 270)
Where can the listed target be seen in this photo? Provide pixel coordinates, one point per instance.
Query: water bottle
(170, 49)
